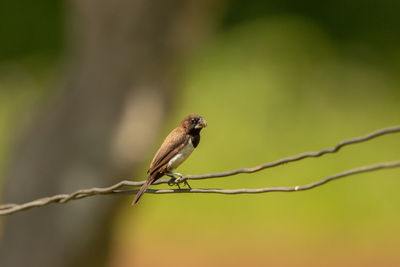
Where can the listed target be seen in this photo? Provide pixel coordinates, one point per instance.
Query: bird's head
(193, 123)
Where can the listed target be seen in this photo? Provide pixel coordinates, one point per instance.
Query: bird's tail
(143, 189)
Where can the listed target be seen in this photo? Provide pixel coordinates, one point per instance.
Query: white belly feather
(181, 156)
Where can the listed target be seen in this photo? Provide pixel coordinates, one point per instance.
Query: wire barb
(7, 209)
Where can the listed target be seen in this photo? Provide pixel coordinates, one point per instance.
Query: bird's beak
(201, 124)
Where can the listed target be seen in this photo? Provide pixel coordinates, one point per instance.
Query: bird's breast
(181, 156)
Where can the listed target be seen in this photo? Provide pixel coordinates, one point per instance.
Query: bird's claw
(177, 181)
(171, 181)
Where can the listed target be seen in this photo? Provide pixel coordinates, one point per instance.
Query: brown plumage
(176, 147)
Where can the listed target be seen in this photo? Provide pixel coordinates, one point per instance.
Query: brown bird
(177, 147)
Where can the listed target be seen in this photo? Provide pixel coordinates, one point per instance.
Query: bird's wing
(174, 142)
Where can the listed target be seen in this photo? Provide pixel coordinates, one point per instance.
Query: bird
(175, 149)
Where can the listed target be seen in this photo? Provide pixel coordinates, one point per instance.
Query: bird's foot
(176, 181)
(173, 181)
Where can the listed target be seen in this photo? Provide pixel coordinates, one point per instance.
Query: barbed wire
(7, 209)
(385, 165)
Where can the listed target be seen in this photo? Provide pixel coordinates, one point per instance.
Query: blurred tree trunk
(120, 65)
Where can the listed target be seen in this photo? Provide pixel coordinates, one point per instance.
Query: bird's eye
(192, 121)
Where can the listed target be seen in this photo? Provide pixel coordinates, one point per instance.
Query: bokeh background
(89, 89)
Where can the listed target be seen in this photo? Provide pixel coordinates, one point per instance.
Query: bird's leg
(171, 181)
(181, 180)
(178, 180)
(180, 175)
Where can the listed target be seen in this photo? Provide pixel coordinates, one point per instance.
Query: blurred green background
(275, 79)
